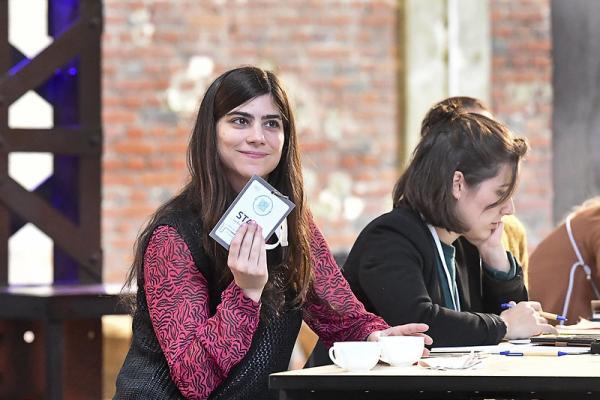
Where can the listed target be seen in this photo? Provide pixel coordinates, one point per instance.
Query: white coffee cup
(355, 356)
(401, 351)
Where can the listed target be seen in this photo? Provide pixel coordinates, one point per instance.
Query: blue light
(63, 90)
(18, 66)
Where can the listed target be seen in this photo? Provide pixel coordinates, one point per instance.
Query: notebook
(566, 340)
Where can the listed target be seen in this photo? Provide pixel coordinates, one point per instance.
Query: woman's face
(250, 140)
(473, 203)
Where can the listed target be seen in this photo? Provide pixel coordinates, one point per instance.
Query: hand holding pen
(544, 314)
(523, 320)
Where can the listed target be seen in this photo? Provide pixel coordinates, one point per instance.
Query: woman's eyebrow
(241, 114)
(250, 116)
(271, 116)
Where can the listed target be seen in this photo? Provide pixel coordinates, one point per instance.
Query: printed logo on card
(263, 205)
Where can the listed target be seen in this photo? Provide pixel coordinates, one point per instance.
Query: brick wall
(337, 59)
(522, 96)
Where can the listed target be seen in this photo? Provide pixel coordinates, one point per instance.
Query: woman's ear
(458, 184)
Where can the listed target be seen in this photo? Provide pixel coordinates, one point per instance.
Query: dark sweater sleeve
(497, 290)
(392, 271)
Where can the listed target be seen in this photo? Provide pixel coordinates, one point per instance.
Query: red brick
(133, 147)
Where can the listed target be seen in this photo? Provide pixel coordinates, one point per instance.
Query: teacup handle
(332, 357)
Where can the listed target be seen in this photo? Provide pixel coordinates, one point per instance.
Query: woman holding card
(415, 262)
(212, 322)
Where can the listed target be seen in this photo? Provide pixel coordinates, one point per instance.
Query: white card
(258, 201)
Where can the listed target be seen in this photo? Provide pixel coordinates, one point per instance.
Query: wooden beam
(34, 73)
(90, 166)
(55, 140)
(5, 60)
(64, 233)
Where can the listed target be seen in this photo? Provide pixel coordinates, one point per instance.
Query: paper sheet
(470, 360)
(506, 346)
(590, 327)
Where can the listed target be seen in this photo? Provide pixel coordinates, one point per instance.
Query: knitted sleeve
(200, 350)
(335, 314)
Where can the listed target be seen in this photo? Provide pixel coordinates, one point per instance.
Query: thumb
(547, 328)
(407, 329)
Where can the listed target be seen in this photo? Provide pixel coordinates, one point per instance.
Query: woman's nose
(256, 134)
(509, 207)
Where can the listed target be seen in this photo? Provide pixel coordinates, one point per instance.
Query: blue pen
(544, 314)
(533, 353)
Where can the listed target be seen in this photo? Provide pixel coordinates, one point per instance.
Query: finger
(547, 328)
(374, 336)
(428, 339)
(247, 242)
(405, 330)
(425, 352)
(262, 259)
(499, 229)
(254, 255)
(535, 305)
(496, 235)
(236, 242)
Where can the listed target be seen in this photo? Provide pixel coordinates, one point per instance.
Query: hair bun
(442, 113)
(451, 109)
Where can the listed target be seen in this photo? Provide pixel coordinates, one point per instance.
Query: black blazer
(392, 270)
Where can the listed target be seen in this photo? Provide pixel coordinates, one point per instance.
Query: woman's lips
(254, 154)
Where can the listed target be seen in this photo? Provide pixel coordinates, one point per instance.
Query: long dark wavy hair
(209, 191)
(453, 139)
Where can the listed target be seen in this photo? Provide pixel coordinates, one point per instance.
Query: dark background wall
(576, 117)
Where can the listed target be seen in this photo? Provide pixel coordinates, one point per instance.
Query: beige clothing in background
(551, 262)
(515, 241)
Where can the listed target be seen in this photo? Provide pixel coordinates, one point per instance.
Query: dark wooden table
(500, 377)
(64, 360)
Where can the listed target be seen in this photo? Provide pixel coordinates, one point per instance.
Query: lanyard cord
(282, 236)
(579, 263)
(450, 280)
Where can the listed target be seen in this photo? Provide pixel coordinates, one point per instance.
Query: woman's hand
(523, 321)
(492, 250)
(404, 330)
(247, 260)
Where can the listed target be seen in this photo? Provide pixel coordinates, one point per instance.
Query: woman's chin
(476, 237)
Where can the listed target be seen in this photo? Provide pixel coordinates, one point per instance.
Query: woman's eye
(239, 121)
(273, 124)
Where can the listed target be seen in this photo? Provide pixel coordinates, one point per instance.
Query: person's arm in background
(499, 288)
(200, 349)
(592, 217)
(514, 239)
